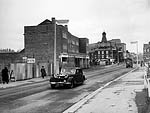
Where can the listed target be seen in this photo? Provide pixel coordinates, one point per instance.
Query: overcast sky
(128, 20)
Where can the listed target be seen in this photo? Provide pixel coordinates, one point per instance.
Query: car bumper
(61, 83)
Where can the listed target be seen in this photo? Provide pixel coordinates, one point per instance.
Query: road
(40, 98)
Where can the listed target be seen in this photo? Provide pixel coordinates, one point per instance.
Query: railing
(147, 79)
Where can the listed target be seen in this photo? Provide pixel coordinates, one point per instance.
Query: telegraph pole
(137, 53)
(55, 37)
(54, 45)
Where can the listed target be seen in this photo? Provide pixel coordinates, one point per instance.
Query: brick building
(106, 52)
(146, 52)
(71, 51)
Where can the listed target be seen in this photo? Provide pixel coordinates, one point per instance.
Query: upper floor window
(77, 43)
(107, 56)
(73, 42)
(64, 35)
(102, 52)
(77, 51)
(87, 44)
(106, 52)
(73, 50)
(64, 47)
(148, 49)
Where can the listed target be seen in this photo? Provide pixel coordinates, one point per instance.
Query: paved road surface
(40, 98)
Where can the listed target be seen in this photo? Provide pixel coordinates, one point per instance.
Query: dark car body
(129, 63)
(68, 79)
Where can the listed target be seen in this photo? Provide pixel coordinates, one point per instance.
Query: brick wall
(83, 45)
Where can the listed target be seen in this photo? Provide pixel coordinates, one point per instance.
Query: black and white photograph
(74, 56)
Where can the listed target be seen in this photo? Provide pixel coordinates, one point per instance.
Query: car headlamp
(55, 76)
(66, 76)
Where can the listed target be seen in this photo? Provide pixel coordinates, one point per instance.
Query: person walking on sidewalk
(43, 72)
(5, 77)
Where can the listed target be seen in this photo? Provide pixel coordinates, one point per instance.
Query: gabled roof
(45, 22)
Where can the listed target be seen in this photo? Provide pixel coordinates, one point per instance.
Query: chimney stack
(66, 27)
(53, 20)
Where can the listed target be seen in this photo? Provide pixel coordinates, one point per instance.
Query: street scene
(87, 56)
(38, 97)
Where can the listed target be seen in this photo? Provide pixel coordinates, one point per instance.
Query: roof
(45, 22)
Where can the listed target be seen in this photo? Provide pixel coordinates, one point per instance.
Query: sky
(127, 20)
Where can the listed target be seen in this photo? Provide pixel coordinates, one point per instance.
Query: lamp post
(55, 37)
(136, 42)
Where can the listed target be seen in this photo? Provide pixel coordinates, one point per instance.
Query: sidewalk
(23, 82)
(121, 96)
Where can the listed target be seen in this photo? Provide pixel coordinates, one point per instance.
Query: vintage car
(129, 63)
(68, 78)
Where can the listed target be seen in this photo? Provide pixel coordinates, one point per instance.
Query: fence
(147, 79)
(22, 71)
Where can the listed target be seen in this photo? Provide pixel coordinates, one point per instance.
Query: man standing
(5, 77)
(43, 72)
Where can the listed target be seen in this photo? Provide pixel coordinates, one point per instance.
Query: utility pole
(137, 52)
(55, 39)
(54, 21)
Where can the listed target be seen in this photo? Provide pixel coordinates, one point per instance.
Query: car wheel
(53, 86)
(72, 84)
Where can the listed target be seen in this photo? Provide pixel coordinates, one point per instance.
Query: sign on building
(31, 60)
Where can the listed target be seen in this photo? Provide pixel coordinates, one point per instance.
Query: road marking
(82, 101)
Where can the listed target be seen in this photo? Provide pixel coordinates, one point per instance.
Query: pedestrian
(5, 77)
(43, 72)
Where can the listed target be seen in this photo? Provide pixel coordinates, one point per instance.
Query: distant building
(146, 52)
(106, 52)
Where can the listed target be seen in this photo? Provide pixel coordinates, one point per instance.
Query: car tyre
(53, 86)
(71, 85)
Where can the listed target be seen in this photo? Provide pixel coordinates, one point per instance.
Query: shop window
(64, 59)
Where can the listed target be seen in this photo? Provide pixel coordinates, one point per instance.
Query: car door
(79, 77)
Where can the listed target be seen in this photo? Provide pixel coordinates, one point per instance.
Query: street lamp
(136, 42)
(55, 30)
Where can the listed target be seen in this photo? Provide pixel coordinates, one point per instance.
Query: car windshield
(79, 71)
(67, 71)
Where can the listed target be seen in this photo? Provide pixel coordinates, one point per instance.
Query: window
(64, 47)
(98, 52)
(77, 43)
(107, 56)
(106, 52)
(64, 59)
(102, 52)
(77, 51)
(148, 49)
(64, 35)
(73, 50)
(87, 44)
(73, 42)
